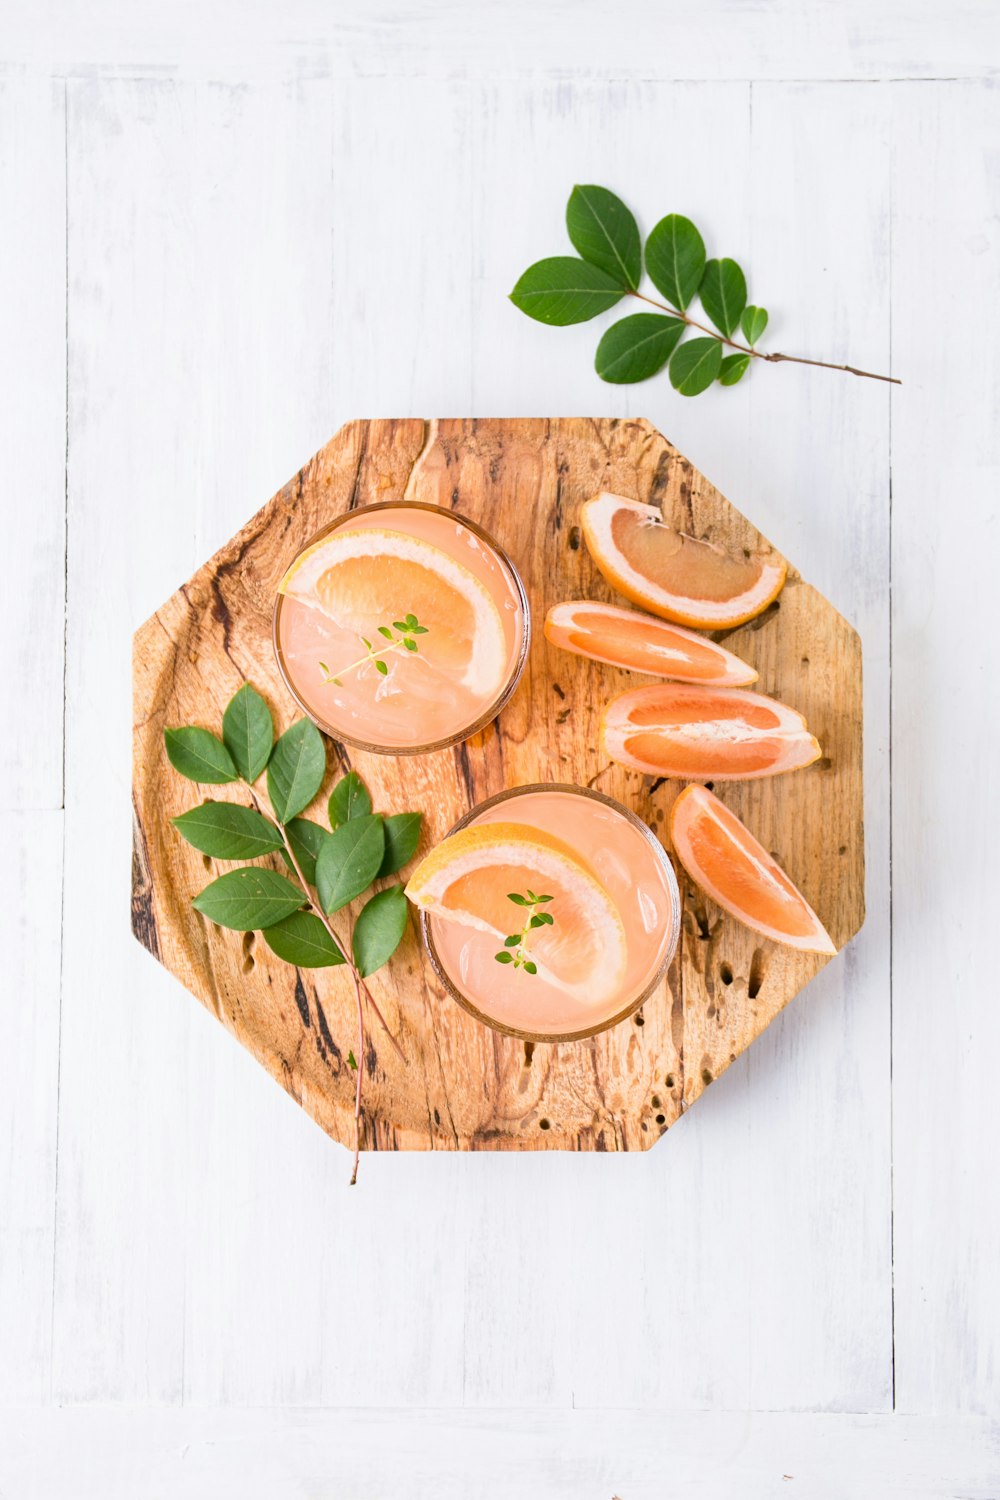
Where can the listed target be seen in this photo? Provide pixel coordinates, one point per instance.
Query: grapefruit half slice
(366, 578)
(470, 876)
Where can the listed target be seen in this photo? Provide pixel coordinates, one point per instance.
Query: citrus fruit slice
(705, 733)
(626, 638)
(470, 877)
(724, 858)
(368, 578)
(675, 575)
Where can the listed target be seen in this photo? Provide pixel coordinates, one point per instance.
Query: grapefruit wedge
(724, 858)
(468, 878)
(705, 733)
(626, 638)
(366, 578)
(675, 575)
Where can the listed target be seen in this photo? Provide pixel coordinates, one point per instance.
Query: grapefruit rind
(705, 614)
(698, 803)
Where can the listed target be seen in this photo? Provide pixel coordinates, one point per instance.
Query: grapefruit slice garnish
(626, 638)
(469, 879)
(676, 576)
(705, 733)
(367, 578)
(723, 857)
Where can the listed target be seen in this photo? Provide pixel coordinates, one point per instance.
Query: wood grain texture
(465, 1087)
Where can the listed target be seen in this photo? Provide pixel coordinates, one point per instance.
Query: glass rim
(670, 951)
(517, 669)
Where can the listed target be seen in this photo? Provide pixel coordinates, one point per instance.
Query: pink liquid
(633, 869)
(414, 705)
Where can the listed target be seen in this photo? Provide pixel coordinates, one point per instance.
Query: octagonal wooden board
(463, 1086)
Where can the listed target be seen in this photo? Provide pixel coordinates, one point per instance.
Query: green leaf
(384, 630)
(200, 756)
(379, 929)
(352, 1062)
(637, 347)
(723, 293)
(349, 861)
(530, 968)
(248, 732)
(349, 799)
(605, 233)
(517, 900)
(564, 290)
(226, 831)
(402, 835)
(504, 958)
(753, 322)
(733, 368)
(513, 941)
(302, 940)
(675, 259)
(306, 839)
(249, 899)
(296, 769)
(695, 365)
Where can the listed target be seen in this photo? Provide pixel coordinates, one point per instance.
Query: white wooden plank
(429, 1454)
(717, 39)
(816, 476)
(32, 437)
(29, 1069)
(199, 229)
(946, 719)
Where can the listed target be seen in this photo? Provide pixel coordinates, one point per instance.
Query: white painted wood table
(228, 228)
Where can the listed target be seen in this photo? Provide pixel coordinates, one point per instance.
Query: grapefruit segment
(676, 576)
(722, 856)
(705, 733)
(469, 877)
(643, 643)
(366, 578)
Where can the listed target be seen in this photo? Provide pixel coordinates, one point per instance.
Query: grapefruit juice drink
(402, 627)
(550, 912)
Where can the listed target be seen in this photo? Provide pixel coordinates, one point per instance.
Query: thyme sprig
(401, 635)
(515, 945)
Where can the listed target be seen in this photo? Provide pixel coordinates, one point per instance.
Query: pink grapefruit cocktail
(549, 912)
(401, 627)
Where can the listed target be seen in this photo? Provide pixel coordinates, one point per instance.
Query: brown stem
(795, 359)
(361, 1073)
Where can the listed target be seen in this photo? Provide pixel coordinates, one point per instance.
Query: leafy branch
(564, 289)
(332, 867)
(515, 946)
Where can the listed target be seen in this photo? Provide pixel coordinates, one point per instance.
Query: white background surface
(226, 230)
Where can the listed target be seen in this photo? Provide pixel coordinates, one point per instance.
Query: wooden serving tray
(463, 1085)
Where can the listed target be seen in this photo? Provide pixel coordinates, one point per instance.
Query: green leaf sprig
(401, 635)
(515, 950)
(567, 289)
(328, 868)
